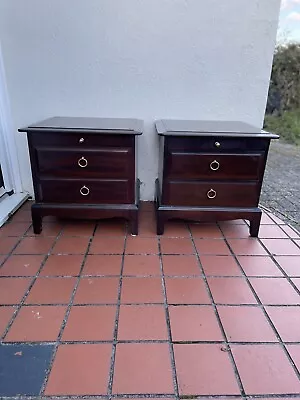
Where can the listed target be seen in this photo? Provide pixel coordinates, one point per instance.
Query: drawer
(215, 144)
(86, 191)
(79, 140)
(101, 163)
(214, 166)
(210, 194)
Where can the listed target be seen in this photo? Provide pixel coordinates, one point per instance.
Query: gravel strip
(281, 186)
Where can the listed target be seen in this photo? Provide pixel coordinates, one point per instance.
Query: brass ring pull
(84, 191)
(211, 194)
(217, 144)
(82, 162)
(81, 140)
(214, 165)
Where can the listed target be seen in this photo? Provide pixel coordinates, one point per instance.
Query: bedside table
(84, 167)
(210, 171)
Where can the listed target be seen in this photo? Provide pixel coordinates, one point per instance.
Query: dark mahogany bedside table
(210, 171)
(84, 167)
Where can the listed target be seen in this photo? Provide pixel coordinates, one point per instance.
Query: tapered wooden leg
(255, 224)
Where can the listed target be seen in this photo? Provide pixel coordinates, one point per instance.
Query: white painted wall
(191, 59)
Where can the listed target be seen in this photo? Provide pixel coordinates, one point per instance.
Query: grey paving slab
(281, 186)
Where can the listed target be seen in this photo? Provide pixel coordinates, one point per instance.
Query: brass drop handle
(217, 144)
(84, 191)
(214, 165)
(82, 162)
(81, 140)
(211, 194)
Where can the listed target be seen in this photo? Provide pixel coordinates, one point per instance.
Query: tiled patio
(88, 311)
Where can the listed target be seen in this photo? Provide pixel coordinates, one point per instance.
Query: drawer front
(210, 194)
(102, 163)
(86, 191)
(216, 144)
(214, 166)
(79, 140)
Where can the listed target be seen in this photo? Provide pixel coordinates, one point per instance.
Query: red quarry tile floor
(6, 314)
(62, 265)
(296, 282)
(186, 291)
(107, 245)
(12, 290)
(141, 265)
(259, 266)
(49, 229)
(194, 323)
(142, 322)
(37, 324)
(71, 245)
(212, 246)
(35, 245)
(177, 229)
(26, 265)
(7, 244)
(80, 369)
(249, 246)
(102, 265)
(97, 291)
(79, 229)
(86, 323)
(204, 369)
(111, 228)
(286, 321)
(180, 265)
(142, 290)
(289, 264)
(143, 368)
(279, 247)
(272, 231)
(294, 351)
(246, 324)
(265, 369)
(235, 231)
(14, 229)
(231, 291)
(203, 310)
(220, 266)
(206, 231)
(275, 291)
(51, 291)
(141, 245)
(176, 246)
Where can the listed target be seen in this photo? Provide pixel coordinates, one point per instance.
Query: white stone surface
(150, 59)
